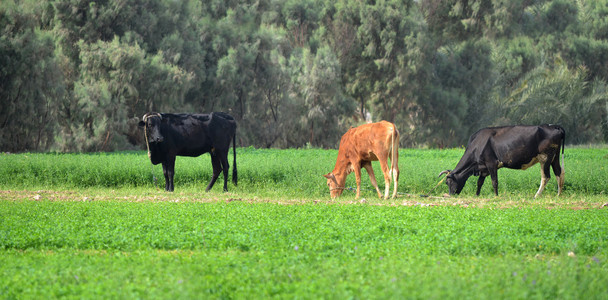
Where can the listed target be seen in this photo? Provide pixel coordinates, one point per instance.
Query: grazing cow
(513, 147)
(170, 135)
(358, 148)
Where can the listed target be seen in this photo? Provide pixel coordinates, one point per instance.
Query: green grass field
(96, 226)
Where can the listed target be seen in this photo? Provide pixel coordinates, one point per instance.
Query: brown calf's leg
(387, 176)
(357, 170)
(372, 177)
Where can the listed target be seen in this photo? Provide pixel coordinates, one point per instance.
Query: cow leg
(357, 170)
(166, 174)
(372, 177)
(544, 177)
(387, 175)
(558, 170)
(169, 172)
(217, 168)
(494, 177)
(225, 167)
(480, 181)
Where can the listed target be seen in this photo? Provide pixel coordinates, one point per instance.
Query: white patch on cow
(543, 182)
(542, 158)
(531, 163)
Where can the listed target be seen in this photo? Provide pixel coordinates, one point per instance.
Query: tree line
(75, 75)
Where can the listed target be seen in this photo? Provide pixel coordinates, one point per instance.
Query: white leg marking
(543, 181)
(560, 182)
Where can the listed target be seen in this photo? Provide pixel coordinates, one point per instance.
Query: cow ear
(328, 175)
(141, 124)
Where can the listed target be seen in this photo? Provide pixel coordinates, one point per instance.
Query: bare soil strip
(402, 200)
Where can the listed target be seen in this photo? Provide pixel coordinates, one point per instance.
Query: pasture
(96, 226)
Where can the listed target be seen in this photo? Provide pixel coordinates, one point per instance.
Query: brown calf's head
(335, 190)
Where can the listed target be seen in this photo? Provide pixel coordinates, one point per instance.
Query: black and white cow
(514, 147)
(170, 135)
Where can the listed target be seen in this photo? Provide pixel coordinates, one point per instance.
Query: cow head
(455, 183)
(335, 190)
(151, 124)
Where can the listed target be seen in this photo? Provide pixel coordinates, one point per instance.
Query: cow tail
(563, 140)
(563, 145)
(392, 152)
(394, 163)
(394, 160)
(234, 171)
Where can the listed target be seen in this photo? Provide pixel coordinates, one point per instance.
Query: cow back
(185, 134)
(221, 130)
(365, 142)
(512, 146)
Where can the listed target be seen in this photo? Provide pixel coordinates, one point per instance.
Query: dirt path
(403, 200)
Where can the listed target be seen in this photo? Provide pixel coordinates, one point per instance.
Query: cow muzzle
(156, 139)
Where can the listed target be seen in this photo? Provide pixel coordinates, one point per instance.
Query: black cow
(513, 147)
(170, 135)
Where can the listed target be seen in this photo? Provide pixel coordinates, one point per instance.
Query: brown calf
(360, 146)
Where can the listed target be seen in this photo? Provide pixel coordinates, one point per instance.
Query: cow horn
(444, 172)
(148, 115)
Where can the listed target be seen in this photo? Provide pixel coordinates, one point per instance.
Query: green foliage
(591, 53)
(30, 80)
(559, 15)
(458, 101)
(559, 96)
(515, 59)
(317, 82)
(116, 82)
(291, 72)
